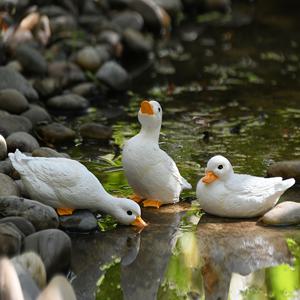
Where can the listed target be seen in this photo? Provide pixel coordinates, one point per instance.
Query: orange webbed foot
(64, 211)
(136, 198)
(152, 203)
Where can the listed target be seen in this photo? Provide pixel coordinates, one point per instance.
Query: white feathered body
(241, 196)
(151, 172)
(58, 182)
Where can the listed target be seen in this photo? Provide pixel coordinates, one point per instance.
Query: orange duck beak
(146, 108)
(209, 177)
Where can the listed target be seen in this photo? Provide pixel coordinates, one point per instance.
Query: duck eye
(159, 109)
(220, 167)
(129, 212)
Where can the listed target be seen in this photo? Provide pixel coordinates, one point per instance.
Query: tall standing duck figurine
(66, 184)
(150, 171)
(223, 193)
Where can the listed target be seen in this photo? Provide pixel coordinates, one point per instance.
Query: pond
(227, 85)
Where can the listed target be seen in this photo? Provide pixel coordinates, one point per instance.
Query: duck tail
(285, 184)
(185, 185)
(17, 156)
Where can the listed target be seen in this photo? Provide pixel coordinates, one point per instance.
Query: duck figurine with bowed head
(66, 184)
(223, 193)
(150, 171)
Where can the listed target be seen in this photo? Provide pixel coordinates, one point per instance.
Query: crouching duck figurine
(150, 171)
(223, 193)
(66, 184)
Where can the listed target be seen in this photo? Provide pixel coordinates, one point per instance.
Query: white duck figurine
(150, 171)
(223, 193)
(66, 184)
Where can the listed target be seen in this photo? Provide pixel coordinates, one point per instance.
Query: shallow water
(234, 92)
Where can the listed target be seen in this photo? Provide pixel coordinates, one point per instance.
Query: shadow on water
(173, 258)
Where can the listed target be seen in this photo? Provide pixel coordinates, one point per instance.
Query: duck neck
(150, 133)
(108, 203)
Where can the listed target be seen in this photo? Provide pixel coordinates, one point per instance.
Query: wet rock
(10, 79)
(53, 11)
(136, 42)
(32, 264)
(46, 87)
(66, 72)
(62, 23)
(85, 89)
(53, 246)
(70, 102)
(37, 114)
(10, 239)
(3, 148)
(56, 133)
(285, 213)
(173, 7)
(24, 193)
(91, 23)
(7, 186)
(47, 152)
(13, 123)
(95, 131)
(6, 167)
(155, 17)
(113, 39)
(22, 141)
(21, 223)
(103, 52)
(13, 101)
(31, 60)
(88, 59)
(115, 76)
(40, 215)
(129, 19)
(15, 65)
(285, 169)
(59, 285)
(80, 220)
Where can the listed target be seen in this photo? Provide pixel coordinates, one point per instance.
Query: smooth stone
(53, 10)
(21, 223)
(9, 282)
(285, 169)
(6, 167)
(32, 263)
(47, 152)
(136, 42)
(8, 187)
(173, 7)
(13, 123)
(10, 239)
(155, 17)
(40, 215)
(24, 193)
(95, 131)
(13, 101)
(37, 114)
(88, 59)
(59, 285)
(91, 23)
(112, 38)
(80, 220)
(66, 72)
(129, 19)
(22, 141)
(103, 52)
(285, 213)
(31, 59)
(56, 133)
(15, 65)
(64, 23)
(3, 148)
(46, 87)
(69, 102)
(53, 246)
(10, 79)
(115, 76)
(85, 89)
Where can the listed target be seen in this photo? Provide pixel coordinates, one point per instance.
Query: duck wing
(255, 188)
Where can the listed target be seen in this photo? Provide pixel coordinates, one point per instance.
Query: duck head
(218, 168)
(150, 115)
(128, 212)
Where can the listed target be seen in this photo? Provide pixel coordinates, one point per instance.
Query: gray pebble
(13, 101)
(13, 123)
(8, 187)
(285, 169)
(136, 41)
(21, 223)
(37, 114)
(129, 19)
(88, 59)
(10, 239)
(69, 102)
(3, 148)
(40, 215)
(22, 141)
(48, 152)
(95, 131)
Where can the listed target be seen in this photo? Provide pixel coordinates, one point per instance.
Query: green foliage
(107, 223)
